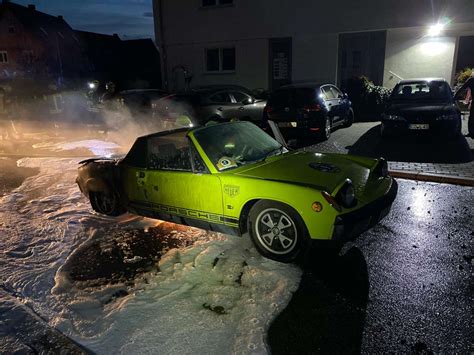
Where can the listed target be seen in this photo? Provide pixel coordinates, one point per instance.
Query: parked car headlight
(346, 195)
(392, 118)
(447, 117)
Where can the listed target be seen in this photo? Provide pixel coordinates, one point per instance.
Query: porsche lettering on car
(236, 179)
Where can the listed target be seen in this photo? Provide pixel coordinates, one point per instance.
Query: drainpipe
(162, 45)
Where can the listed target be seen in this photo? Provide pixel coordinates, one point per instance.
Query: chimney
(31, 7)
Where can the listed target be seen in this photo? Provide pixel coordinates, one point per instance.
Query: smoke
(28, 125)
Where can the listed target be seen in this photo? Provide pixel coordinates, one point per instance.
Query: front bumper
(350, 225)
(402, 127)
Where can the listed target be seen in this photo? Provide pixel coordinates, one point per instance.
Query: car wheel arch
(243, 218)
(300, 240)
(97, 185)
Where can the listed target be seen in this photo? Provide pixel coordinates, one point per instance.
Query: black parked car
(141, 101)
(213, 103)
(422, 106)
(305, 110)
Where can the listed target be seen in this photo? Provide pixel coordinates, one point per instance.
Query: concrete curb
(439, 178)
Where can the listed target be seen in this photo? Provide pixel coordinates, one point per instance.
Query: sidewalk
(459, 173)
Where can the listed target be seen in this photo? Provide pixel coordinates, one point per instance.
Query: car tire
(106, 203)
(277, 231)
(385, 133)
(326, 129)
(349, 120)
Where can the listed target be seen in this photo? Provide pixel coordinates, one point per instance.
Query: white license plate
(288, 124)
(419, 126)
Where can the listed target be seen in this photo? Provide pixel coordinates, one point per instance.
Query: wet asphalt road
(405, 286)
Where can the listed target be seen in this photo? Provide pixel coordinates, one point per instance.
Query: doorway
(361, 53)
(465, 57)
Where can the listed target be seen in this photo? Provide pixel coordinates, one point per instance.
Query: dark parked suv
(422, 106)
(213, 103)
(305, 110)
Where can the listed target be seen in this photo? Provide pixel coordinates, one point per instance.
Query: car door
(178, 184)
(246, 106)
(343, 103)
(331, 101)
(220, 104)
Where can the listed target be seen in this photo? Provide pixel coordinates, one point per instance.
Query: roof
(414, 80)
(189, 129)
(37, 21)
(309, 85)
(210, 88)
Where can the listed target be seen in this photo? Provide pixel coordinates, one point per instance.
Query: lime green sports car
(235, 178)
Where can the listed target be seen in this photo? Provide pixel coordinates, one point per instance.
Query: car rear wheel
(326, 132)
(349, 120)
(106, 203)
(277, 230)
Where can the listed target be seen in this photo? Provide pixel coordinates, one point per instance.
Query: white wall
(410, 54)
(315, 58)
(251, 63)
(314, 27)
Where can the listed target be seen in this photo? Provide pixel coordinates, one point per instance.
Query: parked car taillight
(268, 109)
(312, 108)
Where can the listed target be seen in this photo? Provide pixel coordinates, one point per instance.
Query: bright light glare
(435, 30)
(91, 85)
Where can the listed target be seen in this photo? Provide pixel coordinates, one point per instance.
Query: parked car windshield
(231, 145)
(422, 91)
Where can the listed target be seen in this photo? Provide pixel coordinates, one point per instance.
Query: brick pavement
(461, 172)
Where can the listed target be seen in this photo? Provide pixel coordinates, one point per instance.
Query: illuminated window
(220, 60)
(3, 57)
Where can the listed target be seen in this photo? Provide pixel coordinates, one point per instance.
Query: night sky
(128, 18)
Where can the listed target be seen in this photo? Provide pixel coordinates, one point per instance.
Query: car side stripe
(184, 212)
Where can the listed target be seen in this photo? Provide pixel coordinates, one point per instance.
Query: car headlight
(381, 169)
(346, 195)
(392, 118)
(448, 117)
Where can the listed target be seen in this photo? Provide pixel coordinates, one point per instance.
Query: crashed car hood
(322, 171)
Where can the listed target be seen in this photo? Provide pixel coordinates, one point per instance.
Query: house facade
(37, 47)
(268, 43)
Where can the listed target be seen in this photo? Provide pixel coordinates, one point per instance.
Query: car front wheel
(277, 231)
(106, 203)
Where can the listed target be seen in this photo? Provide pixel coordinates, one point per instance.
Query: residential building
(40, 53)
(130, 64)
(268, 43)
(37, 47)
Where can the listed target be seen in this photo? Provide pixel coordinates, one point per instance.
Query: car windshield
(229, 146)
(422, 91)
